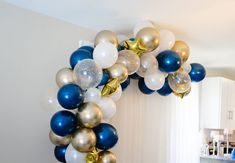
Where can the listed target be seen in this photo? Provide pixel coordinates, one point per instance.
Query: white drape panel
(184, 137)
(156, 129)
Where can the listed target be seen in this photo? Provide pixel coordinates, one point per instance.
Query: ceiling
(207, 25)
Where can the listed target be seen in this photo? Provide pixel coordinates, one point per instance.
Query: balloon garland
(97, 77)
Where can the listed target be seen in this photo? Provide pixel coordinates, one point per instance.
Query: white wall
(33, 48)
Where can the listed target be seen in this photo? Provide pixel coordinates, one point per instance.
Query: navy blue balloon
(165, 90)
(197, 72)
(106, 136)
(63, 123)
(168, 61)
(135, 76)
(60, 153)
(79, 55)
(120, 47)
(143, 88)
(88, 48)
(70, 96)
(125, 84)
(105, 78)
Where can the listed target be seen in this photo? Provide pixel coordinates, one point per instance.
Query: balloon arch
(96, 79)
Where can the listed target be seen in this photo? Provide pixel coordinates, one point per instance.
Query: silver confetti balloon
(147, 61)
(130, 60)
(87, 74)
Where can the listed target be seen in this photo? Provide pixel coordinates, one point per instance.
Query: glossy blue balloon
(63, 123)
(88, 48)
(197, 73)
(60, 153)
(165, 90)
(135, 76)
(79, 55)
(106, 136)
(105, 78)
(125, 84)
(70, 96)
(143, 88)
(168, 61)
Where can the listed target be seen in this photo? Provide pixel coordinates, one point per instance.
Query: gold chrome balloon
(182, 49)
(130, 60)
(106, 157)
(135, 46)
(118, 71)
(64, 76)
(179, 81)
(111, 87)
(106, 36)
(89, 115)
(149, 38)
(182, 95)
(84, 140)
(59, 140)
(92, 157)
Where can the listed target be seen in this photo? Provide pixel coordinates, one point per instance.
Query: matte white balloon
(141, 25)
(167, 40)
(186, 66)
(147, 61)
(154, 79)
(49, 101)
(105, 54)
(117, 95)
(108, 107)
(92, 95)
(87, 74)
(73, 156)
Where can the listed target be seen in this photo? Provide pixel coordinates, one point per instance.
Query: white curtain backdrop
(156, 129)
(184, 137)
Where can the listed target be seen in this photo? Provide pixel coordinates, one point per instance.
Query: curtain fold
(184, 137)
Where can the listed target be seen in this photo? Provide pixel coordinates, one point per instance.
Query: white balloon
(141, 25)
(108, 107)
(187, 67)
(167, 40)
(117, 95)
(85, 43)
(49, 101)
(122, 38)
(105, 54)
(92, 95)
(73, 156)
(154, 79)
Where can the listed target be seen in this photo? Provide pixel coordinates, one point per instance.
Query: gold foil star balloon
(92, 157)
(136, 46)
(111, 87)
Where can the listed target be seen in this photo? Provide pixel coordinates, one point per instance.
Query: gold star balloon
(92, 157)
(111, 87)
(136, 46)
